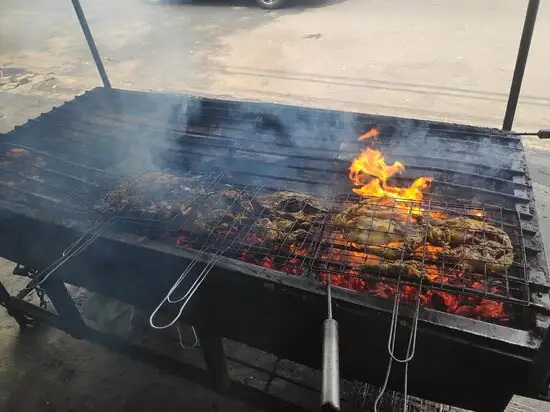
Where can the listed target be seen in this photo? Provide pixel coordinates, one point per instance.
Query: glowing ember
(463, 305)
(291, 266)
(476, 212)
(183, 241)
(297, 251)
(17, 152)
(429, 252)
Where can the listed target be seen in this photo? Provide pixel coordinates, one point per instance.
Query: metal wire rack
(272, 228)
(474, 250)
(36, 178)
(463, 259)
(467, 260)
(234, 220)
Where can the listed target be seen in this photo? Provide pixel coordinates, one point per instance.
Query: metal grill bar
(488, 176)
(218, 109)
(230, 131)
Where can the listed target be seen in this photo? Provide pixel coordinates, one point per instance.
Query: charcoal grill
(58, 168)
(80, 141)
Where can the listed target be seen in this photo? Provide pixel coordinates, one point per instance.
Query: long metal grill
(73, 173)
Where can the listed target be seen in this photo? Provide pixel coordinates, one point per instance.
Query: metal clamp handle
(330, 393)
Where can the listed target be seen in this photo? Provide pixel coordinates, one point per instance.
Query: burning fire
(370, 173)
(371, 134)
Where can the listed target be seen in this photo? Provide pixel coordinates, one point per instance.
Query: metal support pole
(4, 295)
(91, 43)
(6, 300)
(523, 53)
(214, 357)
(64, 304)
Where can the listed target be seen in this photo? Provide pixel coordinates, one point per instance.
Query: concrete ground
(446, 60)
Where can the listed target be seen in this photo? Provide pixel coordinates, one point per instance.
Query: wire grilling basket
(467, 260)
(363, 396)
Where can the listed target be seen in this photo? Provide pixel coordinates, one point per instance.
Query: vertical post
(91, 43)
(4, 295)
(214, 357)
(64, 304)
(6, 300)
(521, 61)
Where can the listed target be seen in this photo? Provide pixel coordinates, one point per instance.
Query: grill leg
(63, 303)
(4, 296)
(216, 364)
(5, 300)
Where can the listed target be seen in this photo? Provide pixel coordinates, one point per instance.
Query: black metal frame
(509, 347)
(286, 309)
(28, 314)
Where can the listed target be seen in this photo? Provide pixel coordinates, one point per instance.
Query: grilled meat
(368, 231)
(474, 245)
(289, 217)
(482, 257)
(465, 230)
(374, 208)
(281, 231)
(224, 210)
(370, 223)
(469, 244)
(152, 195)
(291, 203)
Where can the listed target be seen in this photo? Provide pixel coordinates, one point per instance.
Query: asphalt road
(446, 60)
(449, 60)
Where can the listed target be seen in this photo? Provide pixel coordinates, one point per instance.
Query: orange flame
(371, 134)
(476, 212)
(370, 162)
(370, 171)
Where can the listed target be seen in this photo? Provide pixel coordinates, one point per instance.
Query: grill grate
(467, 260)
(475, 250)
(394, 248)
(239, 222)
(78, 167)
(37, 178)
